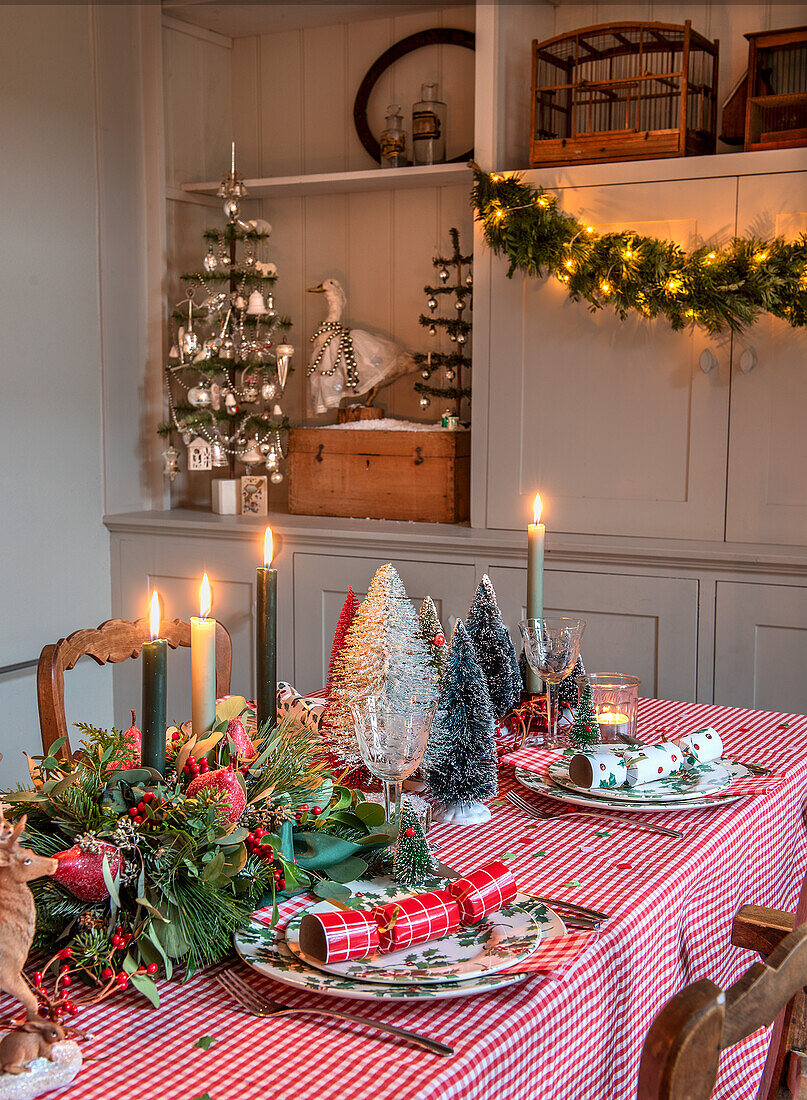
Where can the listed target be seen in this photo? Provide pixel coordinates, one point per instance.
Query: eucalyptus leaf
(335, 890)
(213, 868)
(371, 813)
(231, 706)
(144, 984)
(155, 912)
(349, 870)
(109, 882)
(158, 946)
(136, 775)
(237, 836)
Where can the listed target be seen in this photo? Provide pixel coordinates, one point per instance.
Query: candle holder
(615, 698)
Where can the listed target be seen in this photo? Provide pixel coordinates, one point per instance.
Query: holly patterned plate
(543, 785)
(695, 783)
(496, 943)
(266, 951)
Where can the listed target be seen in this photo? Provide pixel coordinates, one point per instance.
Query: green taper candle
(155, 667)
(266, 637)
(536, 533)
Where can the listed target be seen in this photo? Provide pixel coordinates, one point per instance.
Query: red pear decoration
(238, 735)
(80, 869)
(223, 779)
(131, 758)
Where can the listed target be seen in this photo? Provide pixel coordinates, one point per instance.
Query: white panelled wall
(676, 505)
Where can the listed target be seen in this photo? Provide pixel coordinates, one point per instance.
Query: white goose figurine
(349, 361)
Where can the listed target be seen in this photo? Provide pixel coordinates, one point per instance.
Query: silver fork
(248, 998)
(527, 808)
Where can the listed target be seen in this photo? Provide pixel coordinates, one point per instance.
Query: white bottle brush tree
(229, 359)
(446, 374)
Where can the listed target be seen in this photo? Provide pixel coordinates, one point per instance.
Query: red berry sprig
(194, 767)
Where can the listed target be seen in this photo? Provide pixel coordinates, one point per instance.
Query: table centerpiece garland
(159, 870)
(718, 289)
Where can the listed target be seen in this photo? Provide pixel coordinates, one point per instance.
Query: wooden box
(367, 474)
(623, 91)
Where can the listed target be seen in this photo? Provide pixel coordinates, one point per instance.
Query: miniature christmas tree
(451, 364)
(461, 763)
(494, 649)
(585, 731)
(344, 622)
(433, 635)
(383, 654)
(226, 372)
(413, 861)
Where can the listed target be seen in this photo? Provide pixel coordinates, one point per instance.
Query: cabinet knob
(748, 360)
(707, 360)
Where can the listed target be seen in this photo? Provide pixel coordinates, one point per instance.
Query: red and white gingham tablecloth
(577, 1038)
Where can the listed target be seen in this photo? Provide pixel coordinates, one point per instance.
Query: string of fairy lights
(719, 289)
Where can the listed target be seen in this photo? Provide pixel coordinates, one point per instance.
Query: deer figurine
(18, 867)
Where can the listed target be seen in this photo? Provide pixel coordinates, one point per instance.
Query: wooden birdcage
(776, 106)
(623, 91)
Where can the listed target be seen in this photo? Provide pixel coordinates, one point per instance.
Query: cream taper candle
(203, 664)
(536, 535)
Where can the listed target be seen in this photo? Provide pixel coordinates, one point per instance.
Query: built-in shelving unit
(339, 183)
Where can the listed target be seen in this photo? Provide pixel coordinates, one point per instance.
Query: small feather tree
(413, 861)
(461, 767)
(494, 649)
(585, 731)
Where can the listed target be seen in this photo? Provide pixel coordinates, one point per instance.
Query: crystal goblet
(552, 647)
(392, 740)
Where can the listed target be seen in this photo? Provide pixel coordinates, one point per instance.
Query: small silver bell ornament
(218, 455)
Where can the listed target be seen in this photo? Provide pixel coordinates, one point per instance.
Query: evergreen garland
(718, 289)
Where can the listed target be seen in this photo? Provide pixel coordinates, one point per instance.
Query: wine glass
(552, 647)
(392, 739)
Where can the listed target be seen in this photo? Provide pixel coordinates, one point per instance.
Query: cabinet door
(645, 626)
(614, 421)
(320, 586)
(767, 497)
(761, 646)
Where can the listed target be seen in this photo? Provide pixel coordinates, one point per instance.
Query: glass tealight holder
(615, 698)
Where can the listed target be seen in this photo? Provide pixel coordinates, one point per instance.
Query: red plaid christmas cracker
(484, 891)
(339, 936)
(533, 760)
(417, 919)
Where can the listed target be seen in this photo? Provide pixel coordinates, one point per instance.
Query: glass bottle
(428, 127)
(393, 139)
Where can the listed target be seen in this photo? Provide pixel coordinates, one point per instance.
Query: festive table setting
(452, 871)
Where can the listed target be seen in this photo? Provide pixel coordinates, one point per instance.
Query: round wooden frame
(436, 36)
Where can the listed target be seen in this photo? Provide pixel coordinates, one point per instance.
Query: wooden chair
(682, 1049)
(113, 641)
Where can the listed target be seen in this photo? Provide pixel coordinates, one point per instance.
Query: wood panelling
(761, 652)
(767, 491)
(644, 625)
(654, 425)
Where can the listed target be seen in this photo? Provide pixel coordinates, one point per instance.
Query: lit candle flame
(268, 547)
(154, 616)
(205, 599)
(536, 509)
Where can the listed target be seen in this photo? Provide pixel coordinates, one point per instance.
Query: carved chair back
(113, 641)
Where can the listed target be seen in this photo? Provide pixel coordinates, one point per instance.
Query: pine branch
(441, 359)
(451, 393)
(248, 275)
(450, 324)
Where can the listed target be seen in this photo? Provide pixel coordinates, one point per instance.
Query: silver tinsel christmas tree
(494, 649)
(384, 653)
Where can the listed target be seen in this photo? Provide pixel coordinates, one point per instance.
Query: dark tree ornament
(435, 36)
(461, 765)
(494, 649)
